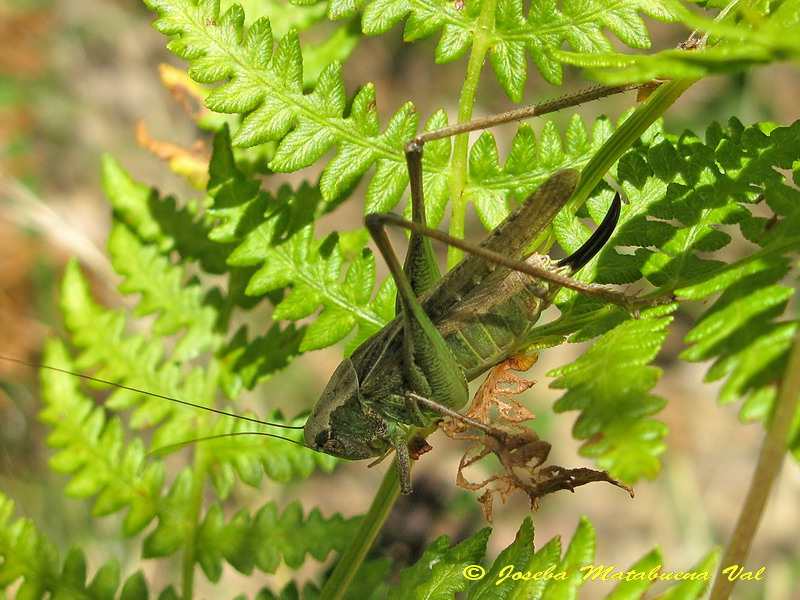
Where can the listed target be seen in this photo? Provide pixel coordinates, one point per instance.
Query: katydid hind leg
(420, 265)
(585, 253)
(526, 112)
(429, 366)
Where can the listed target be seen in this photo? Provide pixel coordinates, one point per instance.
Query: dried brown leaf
(191, 163)
(518, 448)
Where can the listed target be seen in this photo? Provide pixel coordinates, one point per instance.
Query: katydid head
(341, 424)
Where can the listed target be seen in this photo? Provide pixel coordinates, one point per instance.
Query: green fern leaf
(174, 528)
(292, 537)
(623, 354)
(547, 557)
(179, 306)
(699, 186)
(517, 554)
(743, 43)
(246, 451)
(302, 16)
(100, 335)
(160, 221)
(91, 448)
(745, 329)
(439, 573)
(26, 554)
(253, 360)
(638, 588)
(30, 556)
(510, 33)
(371, 581)
(269, 91)
(691, 589)
(268, 86)
(492, 186)
(580, 552)
(275, 235)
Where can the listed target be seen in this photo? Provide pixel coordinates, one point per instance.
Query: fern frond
(31, 557)
(100, 334)
(530, 161)
(510, 33)
(178, 306)
(93, 449)
(243, 451)
(178, 512)
(257, 358)
(275, 235)
(693, 588)
(742, 43)
(162, 222)
(753, 356)
(517, 554)
(265, 86)
(683, 192)
(551, 572)
(629, 445)
(440, 571)
(319, 51)
(291, 538)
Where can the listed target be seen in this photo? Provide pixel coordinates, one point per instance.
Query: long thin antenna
(169, 449)
(153, 394)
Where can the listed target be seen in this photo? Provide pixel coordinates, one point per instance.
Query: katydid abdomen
(492, 322)
(483, 328)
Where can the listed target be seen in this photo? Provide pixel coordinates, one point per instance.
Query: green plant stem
(766, 471)
(458, 183)
(350, 561)
(627, 134)
(564, 326)
(193, 518)
(619, 143)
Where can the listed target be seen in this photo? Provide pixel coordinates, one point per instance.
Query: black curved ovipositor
(598, 239)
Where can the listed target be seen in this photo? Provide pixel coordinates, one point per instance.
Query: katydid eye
(322, 439)
(332, 447)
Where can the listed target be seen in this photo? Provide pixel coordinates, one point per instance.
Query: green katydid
(470, 320)
(450, 330)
